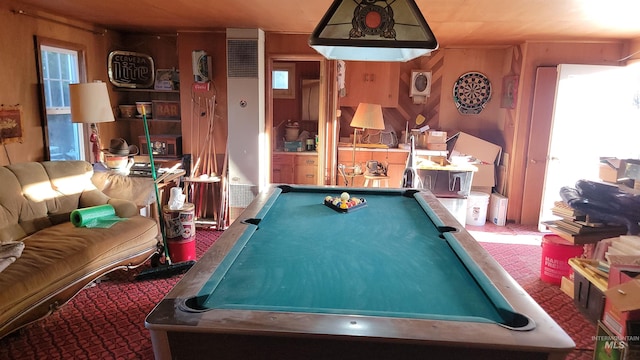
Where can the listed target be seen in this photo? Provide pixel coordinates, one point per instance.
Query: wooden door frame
(326, 111)
(539, 139)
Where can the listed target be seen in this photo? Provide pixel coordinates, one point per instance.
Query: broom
(167, 269)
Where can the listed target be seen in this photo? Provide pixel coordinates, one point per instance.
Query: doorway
(304, 101)
(596, 114)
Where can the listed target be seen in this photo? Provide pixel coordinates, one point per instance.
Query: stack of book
(580, 228)
(621, 250)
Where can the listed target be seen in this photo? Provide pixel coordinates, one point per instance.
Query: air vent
(242, 58)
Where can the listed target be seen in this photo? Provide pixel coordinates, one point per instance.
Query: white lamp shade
(90, 103)
(368, 116)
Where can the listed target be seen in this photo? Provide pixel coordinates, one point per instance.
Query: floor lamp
(90, 105)
(367, 116)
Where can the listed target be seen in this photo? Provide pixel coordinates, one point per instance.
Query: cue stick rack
(205, 186)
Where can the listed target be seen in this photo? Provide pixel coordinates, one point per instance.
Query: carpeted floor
(106, 321)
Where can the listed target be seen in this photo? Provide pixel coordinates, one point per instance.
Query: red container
(181, 232)
(556, 253)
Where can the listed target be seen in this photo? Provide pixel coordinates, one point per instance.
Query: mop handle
(155, 185)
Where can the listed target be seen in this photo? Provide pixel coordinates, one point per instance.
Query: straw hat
(119, 147)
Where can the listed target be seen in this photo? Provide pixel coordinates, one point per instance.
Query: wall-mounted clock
(471, 92)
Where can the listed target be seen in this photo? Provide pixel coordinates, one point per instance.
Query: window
(60, 66)
(283, 80)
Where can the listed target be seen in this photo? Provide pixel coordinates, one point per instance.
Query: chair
(376, 180)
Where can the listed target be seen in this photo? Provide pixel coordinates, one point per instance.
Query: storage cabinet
(306, 170)
(294, 168)
(282, 169)
(371, 82)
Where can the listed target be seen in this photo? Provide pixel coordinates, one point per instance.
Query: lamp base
(96, 145)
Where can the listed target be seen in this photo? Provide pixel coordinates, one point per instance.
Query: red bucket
(181, 232)
(556, 253)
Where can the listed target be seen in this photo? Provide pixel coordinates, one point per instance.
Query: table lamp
(367, 116)
(90, 105)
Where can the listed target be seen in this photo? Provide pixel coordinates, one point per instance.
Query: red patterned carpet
(106, 321)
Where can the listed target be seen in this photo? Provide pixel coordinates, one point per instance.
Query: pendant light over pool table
(373, 30)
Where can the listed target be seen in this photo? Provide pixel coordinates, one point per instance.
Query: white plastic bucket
(477, 203)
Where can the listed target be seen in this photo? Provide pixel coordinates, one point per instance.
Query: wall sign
(166, 110)
(130, 69)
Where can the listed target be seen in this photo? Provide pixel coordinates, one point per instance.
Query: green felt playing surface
(386, 259)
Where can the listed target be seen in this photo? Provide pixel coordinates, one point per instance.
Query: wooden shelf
(145, 90)
(589, 269)
(148, 119)
(579, 239)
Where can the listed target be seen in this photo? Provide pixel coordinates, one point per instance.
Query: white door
(596, 114)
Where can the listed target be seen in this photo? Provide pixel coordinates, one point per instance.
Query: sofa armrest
(124, 208)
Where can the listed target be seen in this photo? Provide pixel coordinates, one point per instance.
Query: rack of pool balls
(344, 202)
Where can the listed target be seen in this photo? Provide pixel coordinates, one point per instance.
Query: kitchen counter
(402, 148)
(282, 152)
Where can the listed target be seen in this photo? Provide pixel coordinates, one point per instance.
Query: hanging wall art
(10, 124)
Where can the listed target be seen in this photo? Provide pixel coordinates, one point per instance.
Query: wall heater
(246, 117)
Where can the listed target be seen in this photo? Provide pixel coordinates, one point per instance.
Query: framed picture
(10, 124)
(509, 92)
(167, 79)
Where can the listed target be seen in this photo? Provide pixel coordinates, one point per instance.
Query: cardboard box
(622, 308)
(482, 189)
(566, 285)
(437, 146)
(437, 137)
(620, 274)
(485, 176)
(487, 156)
(632, 169)
(612, 169)
(293, 146)
(498, 209)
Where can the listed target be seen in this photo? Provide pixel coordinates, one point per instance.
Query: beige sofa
(59, 259)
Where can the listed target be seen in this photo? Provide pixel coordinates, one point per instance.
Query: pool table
(395, 278)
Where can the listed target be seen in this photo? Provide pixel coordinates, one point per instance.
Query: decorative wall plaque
(131, 70)
(10, 124)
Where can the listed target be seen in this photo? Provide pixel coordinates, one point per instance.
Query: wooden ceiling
(454, 22)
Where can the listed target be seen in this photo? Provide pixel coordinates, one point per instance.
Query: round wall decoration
(471, 92)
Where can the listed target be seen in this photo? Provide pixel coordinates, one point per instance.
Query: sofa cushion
(36, 189)
(62, 254)
(36, 195)
(13, 204)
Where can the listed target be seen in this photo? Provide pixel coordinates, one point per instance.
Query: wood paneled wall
(19, 85)
(508, 128)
